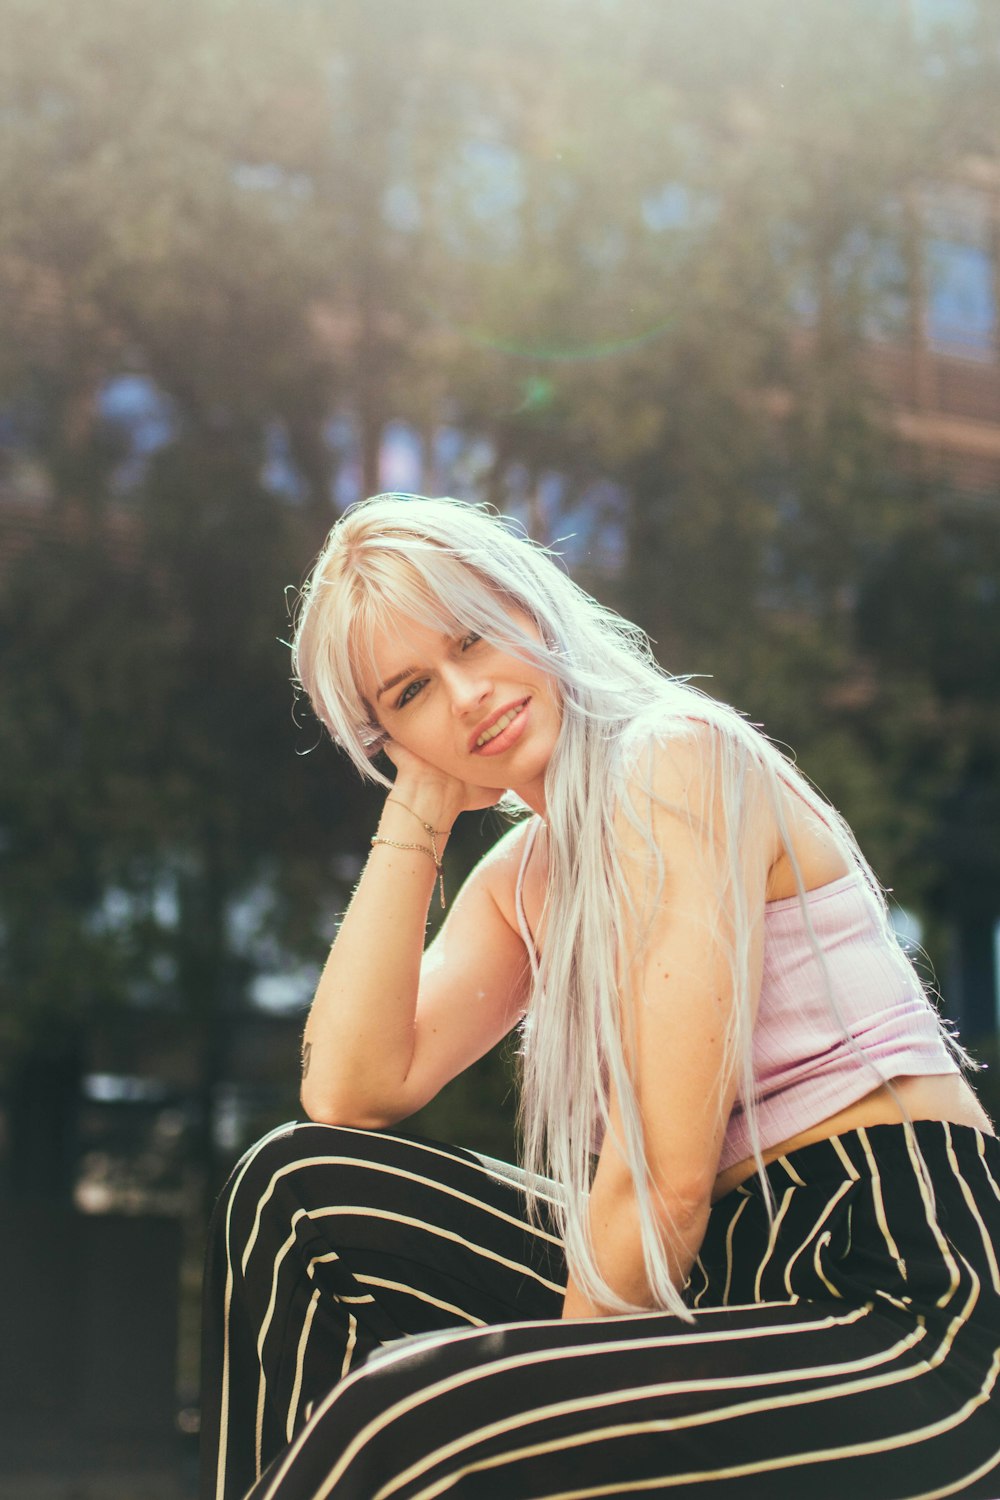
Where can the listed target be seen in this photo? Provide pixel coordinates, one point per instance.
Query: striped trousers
(382, 1323)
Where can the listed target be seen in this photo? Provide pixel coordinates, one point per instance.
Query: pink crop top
(804, 1067)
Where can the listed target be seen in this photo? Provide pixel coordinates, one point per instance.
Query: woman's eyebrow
(395, 681)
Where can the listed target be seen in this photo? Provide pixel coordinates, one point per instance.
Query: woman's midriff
(940, 1096)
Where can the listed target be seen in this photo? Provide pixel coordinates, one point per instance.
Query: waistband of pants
(883, 1150)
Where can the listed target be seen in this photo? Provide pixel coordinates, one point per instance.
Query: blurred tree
(151, 792)
(929, 617)
(149, 777)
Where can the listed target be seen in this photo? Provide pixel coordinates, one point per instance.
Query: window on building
(961, 284)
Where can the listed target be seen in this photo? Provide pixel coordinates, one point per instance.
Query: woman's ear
(376, 738)
(373, 735)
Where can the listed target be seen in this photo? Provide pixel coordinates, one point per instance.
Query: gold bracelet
(424, 849)
(440, 832)
(435, 834)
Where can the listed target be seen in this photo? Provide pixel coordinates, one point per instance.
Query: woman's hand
(431, 793)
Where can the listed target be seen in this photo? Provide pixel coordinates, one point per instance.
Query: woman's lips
(509, 735)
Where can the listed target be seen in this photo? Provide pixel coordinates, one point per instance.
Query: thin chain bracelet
(423, 849)
(435, 834)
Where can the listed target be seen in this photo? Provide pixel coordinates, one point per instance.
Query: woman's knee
(290, 1147)
(279, 1172)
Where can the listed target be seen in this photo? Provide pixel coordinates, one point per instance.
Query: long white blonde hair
(461, 567)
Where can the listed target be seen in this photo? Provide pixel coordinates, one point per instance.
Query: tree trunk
(43, 1110)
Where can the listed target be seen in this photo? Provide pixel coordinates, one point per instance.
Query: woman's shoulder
(682, 723)
(672, 757)
(719, 779)
(507, 852)
(691, 785)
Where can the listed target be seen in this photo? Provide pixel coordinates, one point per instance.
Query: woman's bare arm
(679, 999)
(390, 1024)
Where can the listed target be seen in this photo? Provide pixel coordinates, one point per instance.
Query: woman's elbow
(326, 1108)
(687, 1202)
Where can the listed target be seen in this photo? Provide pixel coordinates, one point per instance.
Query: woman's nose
(468, 689)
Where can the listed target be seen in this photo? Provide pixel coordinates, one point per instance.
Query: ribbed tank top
(808, 1060)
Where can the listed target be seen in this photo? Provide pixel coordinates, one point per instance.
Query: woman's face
(467, 707)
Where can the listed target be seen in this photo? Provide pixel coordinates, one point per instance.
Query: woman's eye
(413, 688)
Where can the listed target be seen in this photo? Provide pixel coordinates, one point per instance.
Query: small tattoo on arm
(306, 1055)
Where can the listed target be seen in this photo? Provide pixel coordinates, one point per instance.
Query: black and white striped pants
(848, 1350)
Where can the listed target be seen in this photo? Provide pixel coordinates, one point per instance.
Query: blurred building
(944, 376)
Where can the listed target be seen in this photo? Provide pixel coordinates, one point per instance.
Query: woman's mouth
(507, 729)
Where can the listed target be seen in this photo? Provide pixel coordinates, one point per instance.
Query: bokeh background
(705, 294)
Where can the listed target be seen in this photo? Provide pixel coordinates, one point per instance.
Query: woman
(752, 1249)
